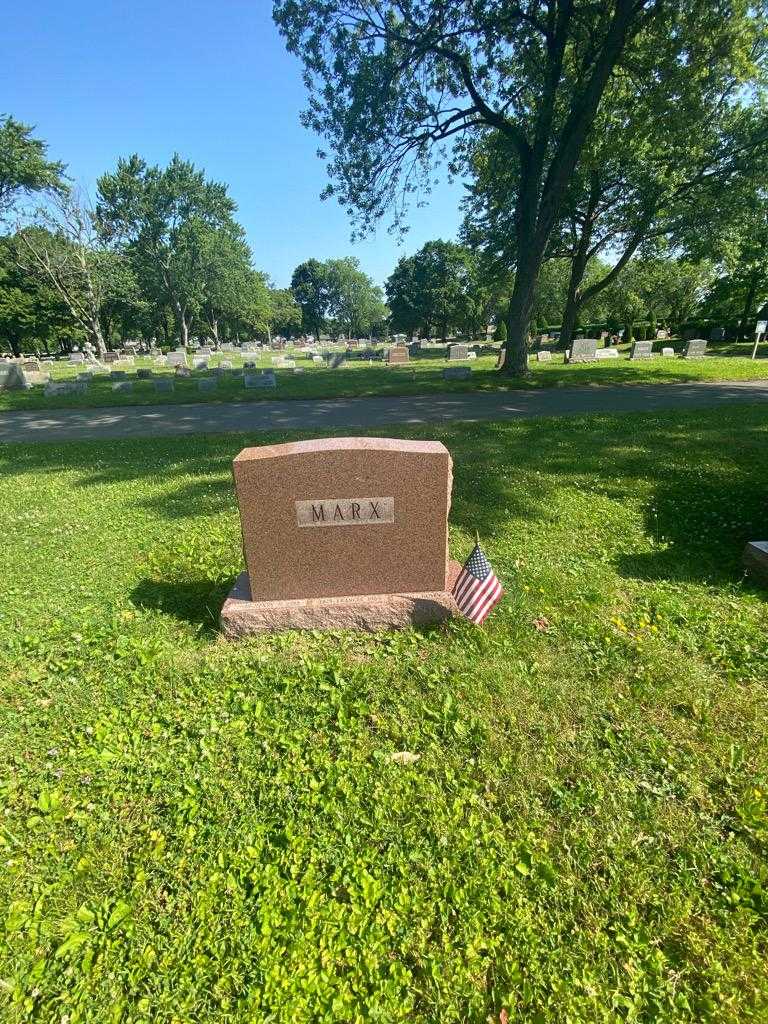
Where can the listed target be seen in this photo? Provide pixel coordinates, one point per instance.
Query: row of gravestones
(585, 350)
(120, 382)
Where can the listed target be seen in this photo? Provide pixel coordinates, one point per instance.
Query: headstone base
(365, 613)
(756, 558)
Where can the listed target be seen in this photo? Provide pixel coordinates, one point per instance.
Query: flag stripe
(491, 601)
(482, 599)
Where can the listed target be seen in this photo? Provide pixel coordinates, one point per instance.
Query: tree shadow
(197, 602)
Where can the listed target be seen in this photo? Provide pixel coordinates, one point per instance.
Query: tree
(437, 287)
(63, 249)
(309, 288)
(23, 166)
(395, 81)
(354, 302)
(32, 315)
(284, 312)
(167, 220)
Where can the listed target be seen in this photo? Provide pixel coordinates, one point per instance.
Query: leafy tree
(438, 288)
(284, 312)
(32, 315)
(23, 166)
(63, 249)
(170, 220)
(395, 81)
(355, 303)
(309, 288)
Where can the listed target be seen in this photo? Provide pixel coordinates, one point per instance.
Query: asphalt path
(131, 421)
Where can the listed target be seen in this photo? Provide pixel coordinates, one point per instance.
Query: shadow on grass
(197, 602)
(708, 476)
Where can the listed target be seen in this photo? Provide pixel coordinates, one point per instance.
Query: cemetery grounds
(358, 378)
(575, 824)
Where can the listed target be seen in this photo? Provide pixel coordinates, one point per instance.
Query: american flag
(477, 590)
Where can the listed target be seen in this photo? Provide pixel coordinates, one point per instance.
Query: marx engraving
(345, 511)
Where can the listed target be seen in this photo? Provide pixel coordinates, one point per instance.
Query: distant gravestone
(583, 350)
(249, 364)
(457, 372)
(227, 346)
(205, 350)
(122, 385)
(607, 353)
(199, 363)
(641, 350)
(695, 349)
(315, 359)
(207, 384)
(717, 334)
(77, 357)
(163, 384)
(667, 352)
(31, 364)
(397, 355)
(183, 371)
(266, 379)
(544, 356)
(110, 357)
(118, 375)
(456, 352)
(225, 364)
(176, 359)
(143, 375)
(11, 377)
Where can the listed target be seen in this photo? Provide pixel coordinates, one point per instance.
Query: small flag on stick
(477, 590)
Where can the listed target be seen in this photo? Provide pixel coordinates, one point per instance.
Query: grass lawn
(196, 831)
(420, 376)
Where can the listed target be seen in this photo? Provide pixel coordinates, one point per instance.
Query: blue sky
(211, 81)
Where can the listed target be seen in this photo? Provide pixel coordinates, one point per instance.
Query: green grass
(198, 831)
(420, 376)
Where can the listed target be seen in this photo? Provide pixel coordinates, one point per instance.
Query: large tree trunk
(519, 319)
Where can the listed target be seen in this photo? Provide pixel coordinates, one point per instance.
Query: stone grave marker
(667, 352)
(163, 384)
(544, 356)
(756, 558)
(199, 363)
(397, 355)
(176, 359)
(641, 350)
(583, 350)
(265, 379)
(31, 364)
(249, 364)
(457, 372)
(456, 352)
(696, 348)
(342, 533)
(143, 375)
(11, 377)
(607, 353)
(110, 357)
(122, 385)
(183, 371)
(77, 357)
(118, 375)
(225, 364)
(207, 384)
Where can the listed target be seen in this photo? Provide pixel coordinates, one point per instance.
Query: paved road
(321, 414)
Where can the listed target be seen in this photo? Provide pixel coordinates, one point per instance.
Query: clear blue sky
(211, 81)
